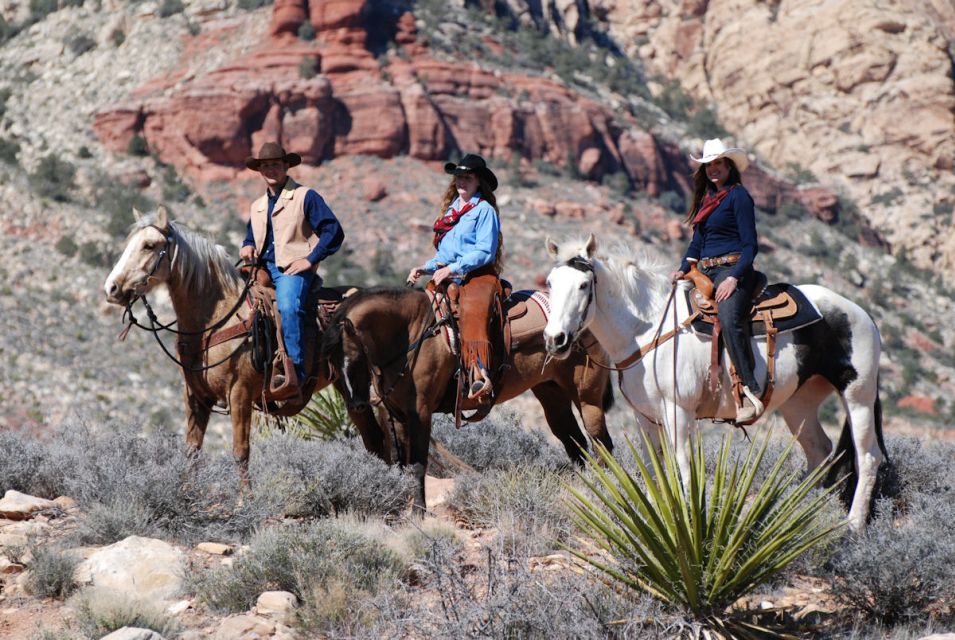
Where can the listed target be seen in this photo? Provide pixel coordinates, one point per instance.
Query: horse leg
(801, 414)
(240, 410)
(415, 436)
(680, 425)
(197, 419)
(560, 418)
(864, 418)
(363, 417)
(593, 400)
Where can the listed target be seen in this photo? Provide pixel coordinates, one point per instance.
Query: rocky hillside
(590, 129)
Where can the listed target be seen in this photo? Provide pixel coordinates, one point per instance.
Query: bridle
(583, 265)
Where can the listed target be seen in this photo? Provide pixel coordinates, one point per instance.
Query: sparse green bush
(306, 31)
(40, 9)
(318, 478)
(798, 174)
(101, 611)
(53, 178)
(618, 182)
(308, 68)
(94, 255)
(170, 8)
(330, 565)
(80, 44)
(673, 200)
(137, 146)
(8, 151)
(250, 5)
(117, 37)
(118, 200)
(67, 246)
(792, 210)
(7, 31)
(524, 504)
(173, 189)
(51, 572)
(5, 93)
(497, 442)
(900, 571)
(84, 152)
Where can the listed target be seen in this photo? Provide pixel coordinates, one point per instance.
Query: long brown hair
(487, 194)
(702, 184)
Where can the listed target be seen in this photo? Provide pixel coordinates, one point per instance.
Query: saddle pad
(527, 311)
(806, 312)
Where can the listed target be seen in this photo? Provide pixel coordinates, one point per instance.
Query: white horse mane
(636, 275)
(196, 261)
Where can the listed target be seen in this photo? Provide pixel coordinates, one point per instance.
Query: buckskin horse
(625, 302)
(389, 337)
(208, 295)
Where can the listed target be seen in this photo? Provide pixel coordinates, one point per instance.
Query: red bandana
(444, 223)
(709, 204)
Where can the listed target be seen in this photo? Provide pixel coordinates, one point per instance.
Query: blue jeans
(290, 295)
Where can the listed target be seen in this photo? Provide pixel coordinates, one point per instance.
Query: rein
(155, 326)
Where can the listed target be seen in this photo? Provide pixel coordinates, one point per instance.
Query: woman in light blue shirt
(467, 237)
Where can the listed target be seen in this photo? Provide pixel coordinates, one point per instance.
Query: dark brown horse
(373, 338)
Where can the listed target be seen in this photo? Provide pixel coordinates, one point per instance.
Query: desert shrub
(316, 478)
(117, 37)
(5, 93)
(173, 189)
(53, 178)
(137, 146)
(497, 442)
(308, 68)
(51, 572)
(250, 5)
(101, 611)
(40, 9)
(80, 44)
(26, 466)
(7, 31)
(170, 8)
(524, 504)
(699, 545)
(900, 570)
(67, 246)
(84, 152)
(118, 200)
(8, 151)
(306, 31)
(94, 255)
(331, 565)
(502, 597)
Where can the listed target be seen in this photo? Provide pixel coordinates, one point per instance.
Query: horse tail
(608, 398)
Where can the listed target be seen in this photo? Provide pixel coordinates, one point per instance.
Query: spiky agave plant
(700, 546)
(324, 417)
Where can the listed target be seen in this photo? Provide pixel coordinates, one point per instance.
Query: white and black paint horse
(622, 301)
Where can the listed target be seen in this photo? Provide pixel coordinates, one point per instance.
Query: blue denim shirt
(731, 228)
(471, 243)
(320, 218)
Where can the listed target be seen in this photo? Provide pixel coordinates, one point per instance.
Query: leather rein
(155, 326)
(586, 266)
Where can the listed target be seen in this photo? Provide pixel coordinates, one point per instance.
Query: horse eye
(583, 285)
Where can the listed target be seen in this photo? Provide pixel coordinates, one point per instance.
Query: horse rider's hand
(247, 253)
(300, 265)
(676, 275)
(441, 275)
(726, 289)
(414, 274)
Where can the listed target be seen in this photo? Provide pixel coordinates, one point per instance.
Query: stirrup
(480, 387)
(749, 413)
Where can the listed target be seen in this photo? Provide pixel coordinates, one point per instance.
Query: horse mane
(196, 261)
(637, 276)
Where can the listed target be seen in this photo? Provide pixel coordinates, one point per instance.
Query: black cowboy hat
(272, 151)
(472, 163)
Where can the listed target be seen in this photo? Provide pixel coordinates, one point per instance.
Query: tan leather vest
(293, 236)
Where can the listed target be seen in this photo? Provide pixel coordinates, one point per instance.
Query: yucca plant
(324, 417)
(700, 546)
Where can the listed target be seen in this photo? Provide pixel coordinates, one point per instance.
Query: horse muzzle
(558, 344)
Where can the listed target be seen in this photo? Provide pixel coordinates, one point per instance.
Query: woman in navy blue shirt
(467, 240)
(724, 248)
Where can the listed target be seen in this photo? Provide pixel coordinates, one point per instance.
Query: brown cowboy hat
(472, 163)
(272, 151)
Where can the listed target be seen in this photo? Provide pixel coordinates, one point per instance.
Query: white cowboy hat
(713, 149)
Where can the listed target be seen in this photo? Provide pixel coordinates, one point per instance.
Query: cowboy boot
(751, 407)
(482, 384)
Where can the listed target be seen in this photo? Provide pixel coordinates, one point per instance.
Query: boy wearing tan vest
(291, 230)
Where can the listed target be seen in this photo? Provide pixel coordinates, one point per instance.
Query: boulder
(20, 506)
(145, 568)
(133, 633)
(244, 627)
(277, 605)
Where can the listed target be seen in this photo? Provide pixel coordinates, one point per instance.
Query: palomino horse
(373, 338)
(623, 302)
(205, 289)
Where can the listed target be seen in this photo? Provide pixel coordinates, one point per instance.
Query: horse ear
(591, 246)
(551, 248)
(162, 216)
(137, 214)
